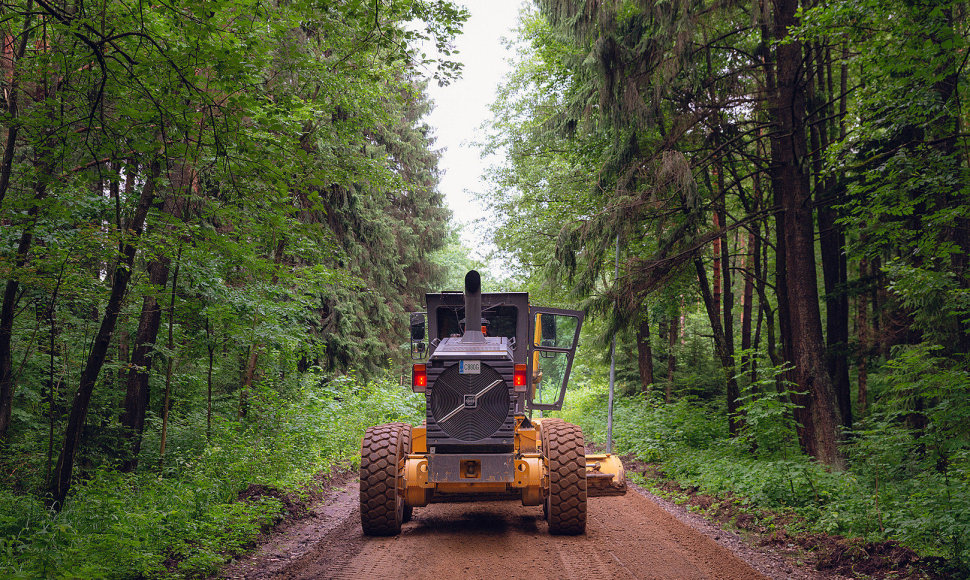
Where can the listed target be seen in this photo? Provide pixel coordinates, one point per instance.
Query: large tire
(382, 457)
(565, 452)
(406, 430)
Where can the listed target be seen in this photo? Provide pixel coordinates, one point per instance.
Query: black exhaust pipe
(473, 308)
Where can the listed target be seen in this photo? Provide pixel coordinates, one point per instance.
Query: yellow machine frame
(605, 475)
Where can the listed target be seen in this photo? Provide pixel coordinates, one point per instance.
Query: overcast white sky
(461, 107)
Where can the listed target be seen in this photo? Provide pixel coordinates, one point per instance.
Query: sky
(462, 107)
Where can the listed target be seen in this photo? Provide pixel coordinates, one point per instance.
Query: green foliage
(939, 302)
(796, 483)
(643, 424)
(908, 477)
(455, 260)
(546, 173)
(644, 121)
(767, 410)
(903, 160)
(297, 202)
(914, 451)
(189, 519)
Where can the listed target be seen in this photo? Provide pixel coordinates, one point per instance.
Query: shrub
(909, 462)
(187, 521)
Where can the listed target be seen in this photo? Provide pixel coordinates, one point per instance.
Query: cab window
(498, 320)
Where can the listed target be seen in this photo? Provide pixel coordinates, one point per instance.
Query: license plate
(469, 367)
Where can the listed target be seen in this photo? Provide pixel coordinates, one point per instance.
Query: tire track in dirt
(627, 537)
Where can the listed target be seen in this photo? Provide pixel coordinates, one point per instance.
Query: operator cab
(541, 342)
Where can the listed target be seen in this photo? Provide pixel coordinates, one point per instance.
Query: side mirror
(556, 331)
(417, 326)
(548, 329)
(418, 347)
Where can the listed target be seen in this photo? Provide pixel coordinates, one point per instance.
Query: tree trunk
(747, 298)
(249, 375)
(863, 333)
(137, 395)
(171, 361)
(818, 415)
(8, 308)
(53, 385)
(671, 357)
(834, 271)
(12, 56)
(782, 341)
(61, 481)
(764, 308)
(644, 352)
(727, 314)
(720, 347)
(831, 238)
(717, 249)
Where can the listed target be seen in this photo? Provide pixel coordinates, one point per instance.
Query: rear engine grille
(478, 419)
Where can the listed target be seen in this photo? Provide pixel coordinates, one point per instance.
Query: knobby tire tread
(381, 457)
(566, 452)
(406, 431)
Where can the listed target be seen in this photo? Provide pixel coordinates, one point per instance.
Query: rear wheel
(565, 451)
(406, 447)
(382, 456)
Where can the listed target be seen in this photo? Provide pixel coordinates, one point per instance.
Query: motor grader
(490, 361)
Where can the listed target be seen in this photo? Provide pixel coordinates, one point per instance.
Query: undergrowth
(187, 521)
(902, 484)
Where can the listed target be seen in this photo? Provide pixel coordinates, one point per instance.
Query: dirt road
(627, 537)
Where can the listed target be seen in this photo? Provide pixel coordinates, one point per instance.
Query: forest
(217, 215)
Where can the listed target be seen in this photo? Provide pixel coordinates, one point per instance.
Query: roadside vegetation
(765, 206)
(900, 485)
(208, 500)
(214, 217)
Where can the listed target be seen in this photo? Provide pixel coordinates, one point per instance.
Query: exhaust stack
(473, 308)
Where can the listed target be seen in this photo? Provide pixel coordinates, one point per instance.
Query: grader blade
(605, 475)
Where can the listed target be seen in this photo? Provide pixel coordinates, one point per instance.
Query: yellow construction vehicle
(482, 378)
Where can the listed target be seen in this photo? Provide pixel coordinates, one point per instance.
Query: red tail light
(419, 378)
(518, 379)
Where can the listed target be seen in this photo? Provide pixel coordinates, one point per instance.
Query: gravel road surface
(632, 537)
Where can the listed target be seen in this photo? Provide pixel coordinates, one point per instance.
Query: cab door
(554, 334)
